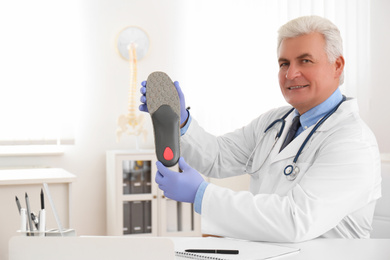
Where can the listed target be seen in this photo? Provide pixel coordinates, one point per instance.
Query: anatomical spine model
(132, 124)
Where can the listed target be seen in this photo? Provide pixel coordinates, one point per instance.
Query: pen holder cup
(50, 233)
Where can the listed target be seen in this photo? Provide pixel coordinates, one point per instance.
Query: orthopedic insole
(164, 107)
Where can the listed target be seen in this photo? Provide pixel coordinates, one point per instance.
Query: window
(41, 64)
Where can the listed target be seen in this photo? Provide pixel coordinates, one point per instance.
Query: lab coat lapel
(346, 109)
(291, 149)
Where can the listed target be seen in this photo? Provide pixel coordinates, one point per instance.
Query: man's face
(306, 77)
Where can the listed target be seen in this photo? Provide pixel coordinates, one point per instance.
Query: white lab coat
(334, 194)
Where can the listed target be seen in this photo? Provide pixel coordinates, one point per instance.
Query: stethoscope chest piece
(291, 172)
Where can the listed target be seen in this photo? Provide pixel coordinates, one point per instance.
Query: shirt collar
(316, 113)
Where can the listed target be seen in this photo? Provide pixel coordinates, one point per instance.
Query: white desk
(321, 249)
(337, 249)
(123, 247)
(90, 248)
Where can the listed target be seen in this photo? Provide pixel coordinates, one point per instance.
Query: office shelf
(135, 205)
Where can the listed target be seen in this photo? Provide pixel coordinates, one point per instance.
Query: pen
(42, 200)
(18, 204)
(213, 251)
(35, 220)
(42, 217)
(31, 228)
(23, 220)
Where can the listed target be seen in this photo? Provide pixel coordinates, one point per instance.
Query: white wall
(379, 119)
(104, 95)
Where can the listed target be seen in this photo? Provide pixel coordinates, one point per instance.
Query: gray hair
(308, 24)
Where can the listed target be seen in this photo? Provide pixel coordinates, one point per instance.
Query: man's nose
(293, 72)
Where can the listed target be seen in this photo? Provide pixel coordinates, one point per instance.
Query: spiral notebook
(247, 250)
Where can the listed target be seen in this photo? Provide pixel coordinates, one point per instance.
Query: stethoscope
(292, 170)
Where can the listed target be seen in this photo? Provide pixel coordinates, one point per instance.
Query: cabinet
(135, 205)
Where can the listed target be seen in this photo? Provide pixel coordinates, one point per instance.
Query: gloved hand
(183, 112)
(179, 186)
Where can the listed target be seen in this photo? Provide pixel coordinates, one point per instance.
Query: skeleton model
(131, 123)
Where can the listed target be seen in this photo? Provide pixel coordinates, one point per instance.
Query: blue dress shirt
(316, 113)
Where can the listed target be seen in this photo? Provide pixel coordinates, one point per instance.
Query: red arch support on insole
(168, 154)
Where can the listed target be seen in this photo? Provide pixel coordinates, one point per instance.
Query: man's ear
(339, 66)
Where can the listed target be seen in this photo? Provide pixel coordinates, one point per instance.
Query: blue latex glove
(179, 186)
(183, 112)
